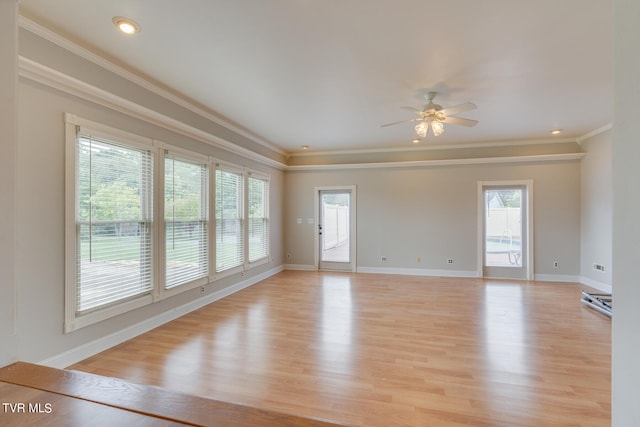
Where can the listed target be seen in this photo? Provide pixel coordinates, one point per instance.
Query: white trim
(70, 232)
(603, 287)
(447, 162)
(484, 144)
(240, 171)
(182, 154)
(595, 132)
(266, 177)
(556, 278)
(300, 267)
(170, 152)
(66, 44)
(49, 77)
(418, 272)
(79, 353)
(229, 166)
(107, 132)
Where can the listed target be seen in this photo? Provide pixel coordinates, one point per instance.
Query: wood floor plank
(382, 350)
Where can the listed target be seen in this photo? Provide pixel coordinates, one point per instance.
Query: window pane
(113, 217)
(258, 219)
(186, 221)
(229, 227)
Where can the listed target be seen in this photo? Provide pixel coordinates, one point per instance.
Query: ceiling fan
(434, 116)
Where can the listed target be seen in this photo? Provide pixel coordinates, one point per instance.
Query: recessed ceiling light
(305, 147)
(126, 25)
(556, 131)
(415, 141)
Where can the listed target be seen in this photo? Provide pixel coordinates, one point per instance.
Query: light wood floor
(378, 350)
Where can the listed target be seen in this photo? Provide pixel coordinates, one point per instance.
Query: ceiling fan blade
(412, 109)
(458, 108)
(459, 121)
(401, 121)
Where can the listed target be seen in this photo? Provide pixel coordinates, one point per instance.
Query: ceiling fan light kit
(422, 129)
(433, 116)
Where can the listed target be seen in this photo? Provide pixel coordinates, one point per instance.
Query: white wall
(39, 224)
(626, 214)
(8, 141)
(431, 213)
(596, 211)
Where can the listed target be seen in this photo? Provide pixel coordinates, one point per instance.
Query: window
(110, 248)
(186, 221)
(119, 257)
(229, 218)
(258, 233)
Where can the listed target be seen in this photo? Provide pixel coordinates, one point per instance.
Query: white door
(335, 228)
(505, 240)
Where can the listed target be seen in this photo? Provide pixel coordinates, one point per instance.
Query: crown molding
(484, 144)
(545, 158)
(42, 74)
(87, 54)
(595, 132)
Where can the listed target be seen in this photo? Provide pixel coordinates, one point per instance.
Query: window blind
(186, 221)
(229, 218)
(113, 219)
(258, 239)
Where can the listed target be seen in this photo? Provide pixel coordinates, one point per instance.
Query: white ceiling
(328, 73)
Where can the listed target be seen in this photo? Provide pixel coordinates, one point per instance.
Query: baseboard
(94, 347)
(419, 272)
(556, 278)
(300, 267)
(602, 287)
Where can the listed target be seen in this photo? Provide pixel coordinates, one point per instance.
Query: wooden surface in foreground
(34, 395)
(382, 350)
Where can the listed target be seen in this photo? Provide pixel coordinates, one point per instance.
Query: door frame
(352, 223)
(527, 227)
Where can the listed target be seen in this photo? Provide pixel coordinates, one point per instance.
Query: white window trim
(162, 292)
(215, 275)
(73, 321)
(267, 258)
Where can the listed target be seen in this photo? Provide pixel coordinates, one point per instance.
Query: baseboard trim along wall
(89, 349)
(418, 272)
(602, 287)
(391, 270)
(556, 278)
(300, 267)
(459, 273)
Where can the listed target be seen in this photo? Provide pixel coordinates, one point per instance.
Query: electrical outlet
(555, 264)
(289, 256)
(202, 289)
(383, 258)
(449, 260)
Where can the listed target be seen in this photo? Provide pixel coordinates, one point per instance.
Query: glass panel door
(504, 243)
(334, 230)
